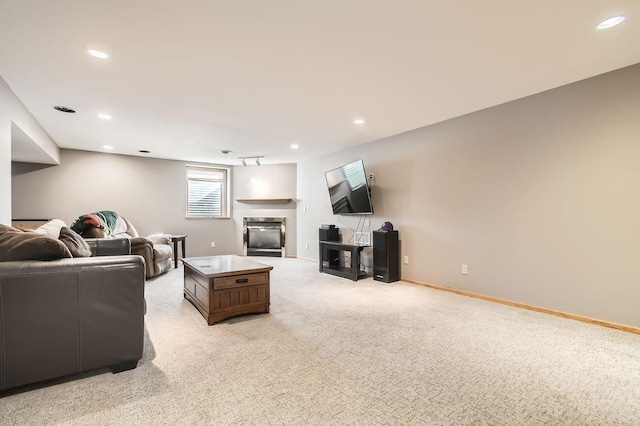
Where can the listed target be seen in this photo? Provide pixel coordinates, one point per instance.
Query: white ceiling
(188, 78)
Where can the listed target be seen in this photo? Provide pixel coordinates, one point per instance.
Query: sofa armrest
(160, 238)
(109, 246)
(140, 241)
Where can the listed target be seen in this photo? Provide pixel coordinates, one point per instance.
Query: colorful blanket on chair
(104, 219)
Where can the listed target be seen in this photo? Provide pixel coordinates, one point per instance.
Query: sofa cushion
(16, 244)
(131, 230)
(75, 243)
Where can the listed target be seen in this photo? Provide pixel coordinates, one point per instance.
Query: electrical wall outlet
(465, 269)
(366, 223)
(307, 245)
(213, 244)
(406, 260)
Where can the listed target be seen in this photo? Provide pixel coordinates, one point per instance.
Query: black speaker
(329, 234)
(330, 258)
(386, 256)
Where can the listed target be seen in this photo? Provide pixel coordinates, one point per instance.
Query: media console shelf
(330, 264)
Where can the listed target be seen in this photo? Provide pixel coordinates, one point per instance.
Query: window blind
(206, 192)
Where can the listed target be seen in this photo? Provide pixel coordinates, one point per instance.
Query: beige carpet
(334, 351)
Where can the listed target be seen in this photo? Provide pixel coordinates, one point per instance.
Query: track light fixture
(257, 157)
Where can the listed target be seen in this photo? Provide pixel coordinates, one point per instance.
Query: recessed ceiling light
(108, 147)
(64, 109)
(225, 151)
(294, 146)
(358, 121)
(104, 116)
(98, 54)
(144, 151)
(611, 22)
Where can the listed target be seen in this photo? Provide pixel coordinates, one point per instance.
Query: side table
(174, 240)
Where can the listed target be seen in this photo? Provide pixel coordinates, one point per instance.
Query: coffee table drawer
(247, 279)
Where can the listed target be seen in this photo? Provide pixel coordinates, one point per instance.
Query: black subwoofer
(330, 258)
(329, 234)
(386, 256)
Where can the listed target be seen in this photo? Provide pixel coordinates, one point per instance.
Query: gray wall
(539, 197)
(13, 114)
(150, 192)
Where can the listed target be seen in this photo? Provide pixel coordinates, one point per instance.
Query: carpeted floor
(334, 351)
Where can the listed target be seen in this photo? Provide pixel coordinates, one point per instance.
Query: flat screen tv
(348, 189)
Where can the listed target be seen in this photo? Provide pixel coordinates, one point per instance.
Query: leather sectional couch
(71, 315)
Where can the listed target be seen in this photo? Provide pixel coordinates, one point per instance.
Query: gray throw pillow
(74, 242)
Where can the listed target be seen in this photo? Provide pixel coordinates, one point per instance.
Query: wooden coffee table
(222, 287)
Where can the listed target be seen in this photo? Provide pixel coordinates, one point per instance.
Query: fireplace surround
(264, 236)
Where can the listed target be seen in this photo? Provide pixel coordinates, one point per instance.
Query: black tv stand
(330, 266)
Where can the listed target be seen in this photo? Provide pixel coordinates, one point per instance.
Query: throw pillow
(75, 243)
(51, 228)
(29, 245)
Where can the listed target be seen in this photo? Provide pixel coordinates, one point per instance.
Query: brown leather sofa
(155, 249)
(70, 315)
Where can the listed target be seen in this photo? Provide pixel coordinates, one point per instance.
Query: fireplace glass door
(264, 237)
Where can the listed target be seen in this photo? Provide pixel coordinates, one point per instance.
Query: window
(207, 192)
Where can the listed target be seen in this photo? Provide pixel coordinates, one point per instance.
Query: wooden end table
(174, 240)
(222, 287)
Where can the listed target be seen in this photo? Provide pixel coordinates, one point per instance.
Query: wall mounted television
(348, 189)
